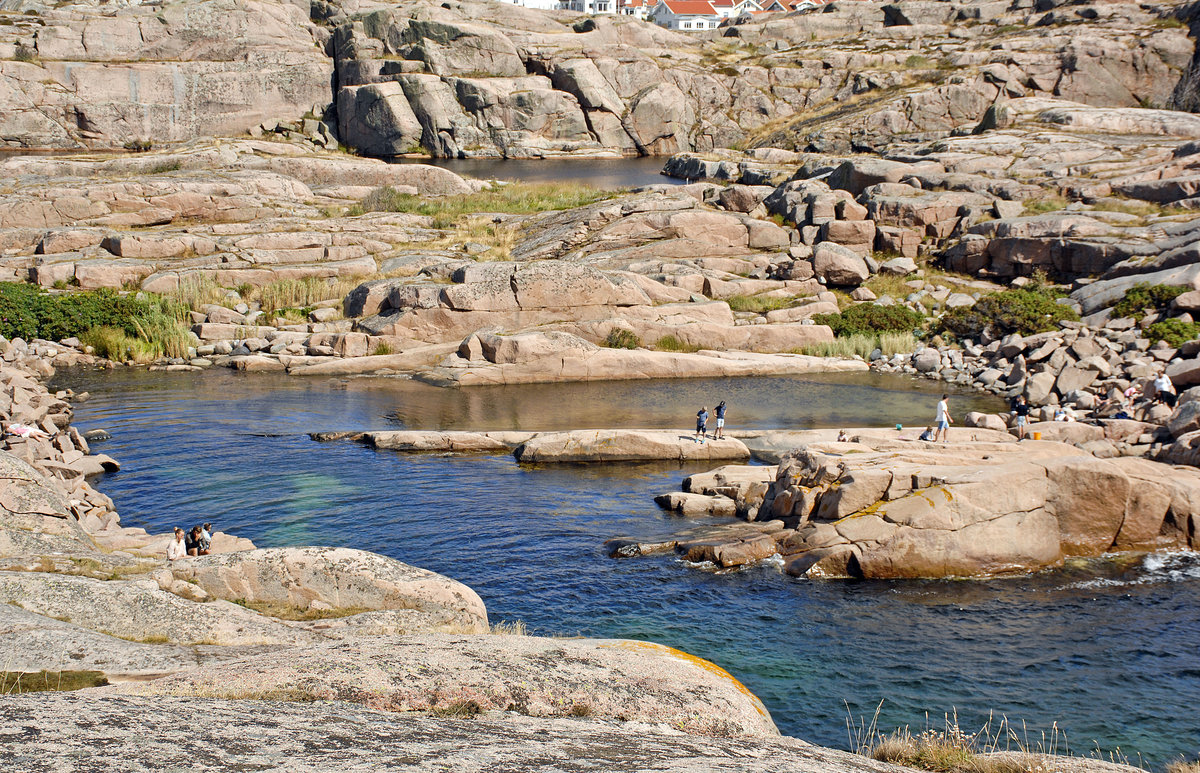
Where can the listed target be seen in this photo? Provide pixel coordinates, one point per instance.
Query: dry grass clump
(862, 344)
(997, 747)
(1183, 766)
(501, 237)
(464, 709)
(199, 290)
(17, 682)
(302, 293)
(509, 628)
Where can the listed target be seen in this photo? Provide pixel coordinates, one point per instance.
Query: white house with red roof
(686, 15)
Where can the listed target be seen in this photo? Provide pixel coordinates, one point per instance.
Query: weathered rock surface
(632, 681)
(616, 445)
(337, 579)
(140, 733)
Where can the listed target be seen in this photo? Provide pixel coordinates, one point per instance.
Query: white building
(541, 5)
(686, 15)
(593, 7)
(638, 9)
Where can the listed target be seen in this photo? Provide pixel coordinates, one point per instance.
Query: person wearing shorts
(943, 420)
(720, 411)
(701, 424)
(1021, 411)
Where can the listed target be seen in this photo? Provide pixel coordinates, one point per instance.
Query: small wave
(1154, 568)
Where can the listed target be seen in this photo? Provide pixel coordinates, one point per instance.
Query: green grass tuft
(17, 682)
(620, 338)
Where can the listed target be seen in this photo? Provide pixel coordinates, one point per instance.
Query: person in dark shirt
(720, 433)
(701, 424)
(1020, 409)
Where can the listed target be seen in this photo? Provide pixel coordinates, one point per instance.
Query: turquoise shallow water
(1108, 650)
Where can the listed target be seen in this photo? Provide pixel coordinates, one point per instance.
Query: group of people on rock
(196, 542)
(702, 422)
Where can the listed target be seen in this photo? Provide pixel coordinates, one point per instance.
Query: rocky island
(996, 194)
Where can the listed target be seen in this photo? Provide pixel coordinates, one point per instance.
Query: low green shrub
(756, 303)
(620, 338)
(870, 319)
(30, 312)
(1175, 332)
(670, 343)
(17, 682)
(1025, 311)
(1144, 296)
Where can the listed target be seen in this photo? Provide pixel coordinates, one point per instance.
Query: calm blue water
(1108, 651)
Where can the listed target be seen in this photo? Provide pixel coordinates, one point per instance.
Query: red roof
(689, 7)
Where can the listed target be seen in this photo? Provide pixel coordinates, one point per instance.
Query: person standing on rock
(176, 549)
(943, 420)
(701, 424)
(720, 411)
(1020, 409)
(1164, 390)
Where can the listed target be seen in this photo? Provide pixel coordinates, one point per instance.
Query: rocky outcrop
(972, 510)
(88, 77)
(466, 81)
(876, 506)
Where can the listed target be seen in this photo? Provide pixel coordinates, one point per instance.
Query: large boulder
(839, 266)
(334, 578)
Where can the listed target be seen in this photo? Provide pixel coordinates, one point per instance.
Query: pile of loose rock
(47, 441)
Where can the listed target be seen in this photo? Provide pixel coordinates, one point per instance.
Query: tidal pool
(1107, 649)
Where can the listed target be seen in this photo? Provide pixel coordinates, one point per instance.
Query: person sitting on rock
(192, 543)
(843, 437)
(176, 550)
(205, 539)
(927, 435)
(701, 424)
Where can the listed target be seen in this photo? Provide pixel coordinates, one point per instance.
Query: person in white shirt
(1164, 390)
(176, 549)
(943, 420)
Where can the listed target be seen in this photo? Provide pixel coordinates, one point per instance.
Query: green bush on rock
(870, 319)
(621, 338)
(1145, 296)
(1025, 311)
(1175, 332)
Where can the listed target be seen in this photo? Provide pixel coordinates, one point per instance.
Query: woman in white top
(176, 549)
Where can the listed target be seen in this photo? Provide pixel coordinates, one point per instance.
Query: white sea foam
(1155, 568)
